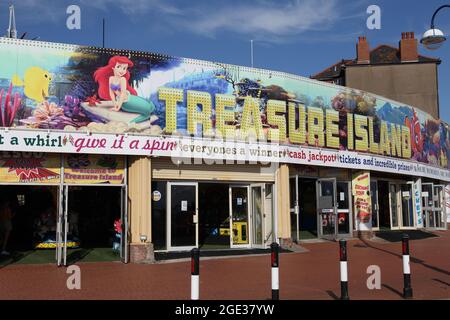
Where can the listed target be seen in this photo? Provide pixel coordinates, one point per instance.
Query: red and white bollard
(343, 269)
(195, 274)
(275, 248)
(407, 289)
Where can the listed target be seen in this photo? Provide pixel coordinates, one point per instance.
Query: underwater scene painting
(74, 88)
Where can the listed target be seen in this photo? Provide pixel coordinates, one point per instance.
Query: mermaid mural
(114, 89)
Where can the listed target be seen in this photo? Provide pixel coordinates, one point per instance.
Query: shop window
(159, 217)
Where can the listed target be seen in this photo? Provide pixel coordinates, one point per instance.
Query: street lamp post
(433, 38)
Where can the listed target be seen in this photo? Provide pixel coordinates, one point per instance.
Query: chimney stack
(408, 48)
(362, 51)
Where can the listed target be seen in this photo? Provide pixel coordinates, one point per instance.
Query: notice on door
(239, 201)
(184, 205)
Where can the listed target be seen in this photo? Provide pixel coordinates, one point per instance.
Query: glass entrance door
(375, 206)
(407, 210)
(438, 199)
(326, 207)
(294, 208)
(182, 216)
(239, 216)
(394, 205)
(343, 209)
(427, 205)
(257, 215)
(268, 218)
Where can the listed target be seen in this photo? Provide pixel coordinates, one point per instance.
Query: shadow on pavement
(332, 294)
(393, 290)
(414, 260)
(159, 256)
(396, 236)
(443, 282)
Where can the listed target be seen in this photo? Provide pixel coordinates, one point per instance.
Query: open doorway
(214, 220)
(28, 218)
(383, 204)
(307, 208)
(94, 223)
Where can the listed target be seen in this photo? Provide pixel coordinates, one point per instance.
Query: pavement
(312, 274)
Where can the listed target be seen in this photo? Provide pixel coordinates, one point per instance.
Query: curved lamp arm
(437, 10)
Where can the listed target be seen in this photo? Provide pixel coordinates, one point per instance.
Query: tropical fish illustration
(35, 83)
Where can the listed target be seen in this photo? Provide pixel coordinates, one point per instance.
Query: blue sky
(301, 37)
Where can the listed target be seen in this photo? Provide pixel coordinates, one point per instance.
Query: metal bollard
(195, 274)
(275, 248)
(344, 270)
(407, 289)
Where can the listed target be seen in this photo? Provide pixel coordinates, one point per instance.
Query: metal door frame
(398, 204)
(169, 216)
(66, 223)
(124, 256)
(413, 227)
(319, 219)
(377, 206)
(350, 211)
(249, 220)
(269, 233)
(296, 209)
(60, 226)
(263, 215)
(428, 208)
(441, 208)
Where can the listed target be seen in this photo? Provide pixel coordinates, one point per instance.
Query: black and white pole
(407, 290)
(275, 248)
(344, 270)
(195, 274)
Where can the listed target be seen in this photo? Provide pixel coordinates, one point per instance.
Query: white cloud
(270, 21)
(264, 18)
(135, 7)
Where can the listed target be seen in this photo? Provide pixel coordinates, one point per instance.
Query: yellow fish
(35, 83)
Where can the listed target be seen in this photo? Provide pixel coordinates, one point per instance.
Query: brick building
(401, 74)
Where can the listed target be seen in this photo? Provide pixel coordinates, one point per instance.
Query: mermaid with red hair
(113, 87)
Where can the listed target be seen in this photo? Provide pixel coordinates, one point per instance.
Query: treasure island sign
(287, 122)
